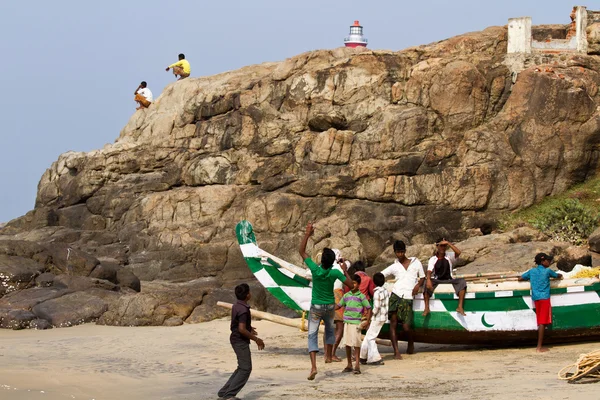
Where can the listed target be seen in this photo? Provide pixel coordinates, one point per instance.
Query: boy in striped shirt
(369, 354)
(356, 305)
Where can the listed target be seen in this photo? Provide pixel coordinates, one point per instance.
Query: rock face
(430, 141)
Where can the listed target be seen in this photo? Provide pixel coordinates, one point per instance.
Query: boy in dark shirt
(241, 334)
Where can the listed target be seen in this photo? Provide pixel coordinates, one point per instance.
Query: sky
(69, 67)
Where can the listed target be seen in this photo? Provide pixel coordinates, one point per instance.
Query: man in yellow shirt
(181, 68)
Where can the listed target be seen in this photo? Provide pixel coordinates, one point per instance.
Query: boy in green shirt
(356, 305)
(323, 301)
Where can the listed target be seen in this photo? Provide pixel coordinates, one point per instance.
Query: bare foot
(461, 311)
(327, 361)
(397, 356)
(542, 349)
(312, 375)
(410, 349)
(426, 312)
(336, 359)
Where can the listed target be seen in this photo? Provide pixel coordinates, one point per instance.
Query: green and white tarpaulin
(496, 312)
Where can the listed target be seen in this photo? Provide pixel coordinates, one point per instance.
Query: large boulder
(156, 303)
(17, 273)
(594, 241)
(71, 309)
(431, 141)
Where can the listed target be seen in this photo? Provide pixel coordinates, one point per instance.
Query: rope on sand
(585, 370)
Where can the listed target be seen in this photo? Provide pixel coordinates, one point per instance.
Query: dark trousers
(240, 376)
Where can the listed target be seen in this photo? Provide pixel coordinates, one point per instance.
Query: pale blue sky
(69, 68)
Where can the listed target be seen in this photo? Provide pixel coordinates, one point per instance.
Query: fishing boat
(497, 312)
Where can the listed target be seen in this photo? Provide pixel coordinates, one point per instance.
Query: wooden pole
(293, 322)
(289, 266)
(507, 274)
(278, 319)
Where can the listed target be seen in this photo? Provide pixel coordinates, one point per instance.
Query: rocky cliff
(372, 145)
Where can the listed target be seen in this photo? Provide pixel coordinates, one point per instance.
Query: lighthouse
(356, 38)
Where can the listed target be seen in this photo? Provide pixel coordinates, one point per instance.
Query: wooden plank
(293, 322)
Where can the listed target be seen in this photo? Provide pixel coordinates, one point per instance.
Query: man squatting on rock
(439, 271)
(143, 96)
(241, 334)
(322, 299)
(409, 278)
(181, 68)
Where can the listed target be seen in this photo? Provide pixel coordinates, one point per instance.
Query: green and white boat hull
(497, 313)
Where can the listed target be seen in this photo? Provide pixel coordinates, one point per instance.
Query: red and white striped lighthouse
(356, 38)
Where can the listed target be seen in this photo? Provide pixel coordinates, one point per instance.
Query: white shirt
(339, 284)
(406, 278)
(381, 300)
(146, 93)
(449, 256)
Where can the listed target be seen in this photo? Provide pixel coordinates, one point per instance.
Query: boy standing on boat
(369, 354)
(439, 271)
(540, 293)
(322, 299)
(356, 305)
(241, 334)
(409, 277)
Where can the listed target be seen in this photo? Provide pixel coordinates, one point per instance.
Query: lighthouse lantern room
(356, 38)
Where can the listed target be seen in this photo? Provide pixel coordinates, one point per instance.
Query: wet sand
(193, 361)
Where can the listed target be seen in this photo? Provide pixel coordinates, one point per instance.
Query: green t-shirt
(322, 282)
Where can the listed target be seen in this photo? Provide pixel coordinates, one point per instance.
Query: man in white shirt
(143, 95)
(439, 271)
(409, 278)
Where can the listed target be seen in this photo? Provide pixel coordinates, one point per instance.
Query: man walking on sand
(322, 302)
(409, 278)
(181, 68)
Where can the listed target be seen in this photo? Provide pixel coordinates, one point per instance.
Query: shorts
(459, 284)
(543, 312)
(339, 313)
(402, 307)
(352, 336)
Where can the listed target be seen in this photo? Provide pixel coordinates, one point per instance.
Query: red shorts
(543, 312)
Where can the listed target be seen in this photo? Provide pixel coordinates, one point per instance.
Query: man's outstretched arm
(308, 233)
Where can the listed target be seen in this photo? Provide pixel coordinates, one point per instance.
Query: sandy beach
(193, 361)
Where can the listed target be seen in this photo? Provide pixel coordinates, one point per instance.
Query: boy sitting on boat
(540, 293)
(369, 354)
(439, 271)
(356, 305)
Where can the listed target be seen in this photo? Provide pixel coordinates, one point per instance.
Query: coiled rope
(585, 370)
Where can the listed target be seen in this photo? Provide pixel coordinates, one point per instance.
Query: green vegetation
(571, 216)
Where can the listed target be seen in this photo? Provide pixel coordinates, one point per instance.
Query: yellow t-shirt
(183, 64)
